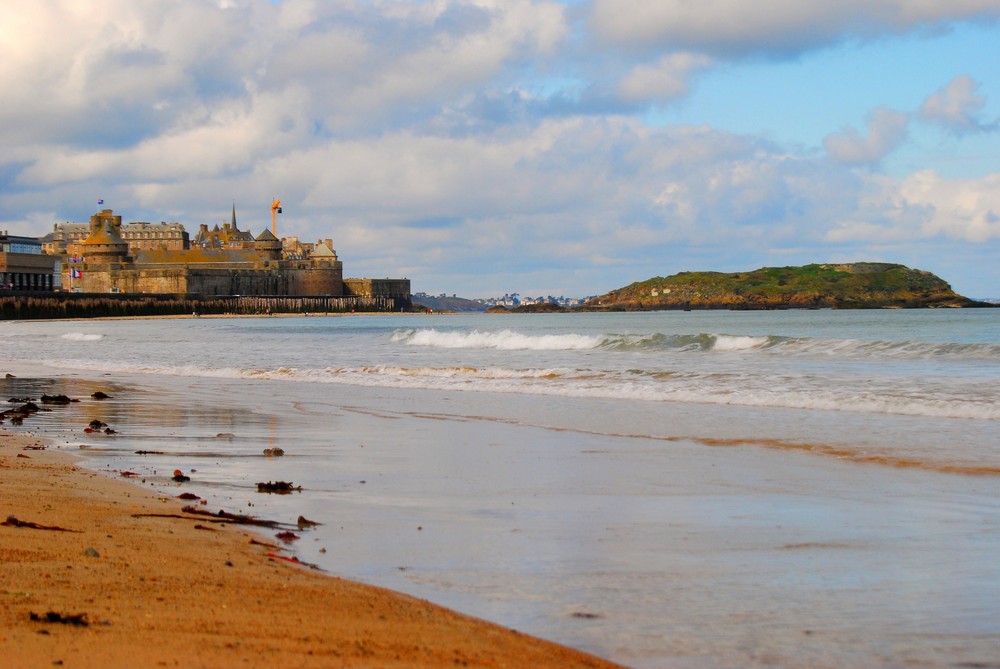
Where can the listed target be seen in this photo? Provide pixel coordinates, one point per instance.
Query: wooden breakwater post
(14, 306)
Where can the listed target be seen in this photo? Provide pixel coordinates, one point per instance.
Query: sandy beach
(101, 573)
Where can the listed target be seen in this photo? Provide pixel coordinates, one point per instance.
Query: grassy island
(846, 286)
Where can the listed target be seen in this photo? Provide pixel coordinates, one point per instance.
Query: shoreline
(169, 590)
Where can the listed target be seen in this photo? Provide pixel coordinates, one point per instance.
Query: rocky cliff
(847, 286)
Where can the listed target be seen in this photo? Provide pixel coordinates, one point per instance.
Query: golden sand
(155, 591)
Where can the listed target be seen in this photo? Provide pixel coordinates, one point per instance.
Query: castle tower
(268, 246)
(105, 244)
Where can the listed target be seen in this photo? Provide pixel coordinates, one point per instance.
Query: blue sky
(485, 146)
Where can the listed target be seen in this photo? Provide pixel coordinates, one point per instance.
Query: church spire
(234, 216)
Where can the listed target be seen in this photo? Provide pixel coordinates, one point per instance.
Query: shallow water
(717, 489)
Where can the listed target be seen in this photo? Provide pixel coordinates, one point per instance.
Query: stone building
(229, 236)
(65, 238)
(64, 235)
(142, 236)
(254, 268)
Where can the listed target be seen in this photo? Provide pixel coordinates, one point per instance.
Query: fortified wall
(394, 288)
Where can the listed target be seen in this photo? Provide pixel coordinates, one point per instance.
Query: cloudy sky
(485, 146)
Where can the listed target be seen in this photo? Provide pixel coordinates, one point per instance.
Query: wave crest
(503, 340)
(82, 336)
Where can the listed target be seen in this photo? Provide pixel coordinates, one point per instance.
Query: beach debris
(586, 615)
(130, 475)
(18, 415)
(237, 518)
(293, 560)
(91, 552)
(274, 452)
(57, 399)
(97, 425)
(36, 447)
(254, 542)
(19, 400)
(220, 517)
(229, 436)
(150, 453)
(180, 477)
(10, 376)
(12, 521)
(287, 536)
(76, 619)
(188, 495)
(204, 527)
(101, 396)
(278, 487)
(109, 430)
(304, 522)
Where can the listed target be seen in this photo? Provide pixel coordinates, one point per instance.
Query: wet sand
(168, 591)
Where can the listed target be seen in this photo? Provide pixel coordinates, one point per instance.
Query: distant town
(445, 302)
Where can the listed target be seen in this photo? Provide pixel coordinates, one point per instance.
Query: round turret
(268, 246)
(105, 244)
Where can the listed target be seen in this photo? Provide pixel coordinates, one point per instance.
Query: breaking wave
(510, 340)
(811, 392)
(504, 340)
(82, 336)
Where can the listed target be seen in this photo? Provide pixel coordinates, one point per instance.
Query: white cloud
(886, 131)
(923, 206)
(737, 26)
(957, 106)
(665, 80)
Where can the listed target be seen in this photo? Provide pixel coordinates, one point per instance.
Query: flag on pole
(76, 274)
(100, 201)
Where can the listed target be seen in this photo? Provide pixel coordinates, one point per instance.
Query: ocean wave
(502, 340)
(721, 343)
(809, 393)
(82, 336)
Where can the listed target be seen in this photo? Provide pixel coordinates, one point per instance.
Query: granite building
(251, 266)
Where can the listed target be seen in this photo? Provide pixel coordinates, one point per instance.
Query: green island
(862, 285)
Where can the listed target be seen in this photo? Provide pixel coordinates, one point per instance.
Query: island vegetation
(862, 285)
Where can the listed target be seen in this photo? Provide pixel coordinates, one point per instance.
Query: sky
(479, 147)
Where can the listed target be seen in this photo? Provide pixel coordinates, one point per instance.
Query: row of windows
(151, 235)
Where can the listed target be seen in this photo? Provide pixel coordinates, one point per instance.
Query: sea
(801, 488)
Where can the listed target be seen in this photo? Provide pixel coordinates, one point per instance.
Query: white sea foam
(503, 340)
(738, 343)
(82, 336)
(633, 385)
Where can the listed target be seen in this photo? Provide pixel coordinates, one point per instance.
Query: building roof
(197, 256)
(104, 235)
(267, 236)
(322, 251)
